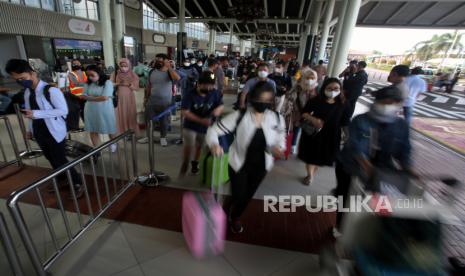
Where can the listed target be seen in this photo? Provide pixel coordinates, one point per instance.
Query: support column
(118, 9)
(303, 43)
(105, 19)
(242, 47)
(325, 30)
(211, 40)
(231, 32)
(348, 26)
(252, 46)
(337, 37)
(310, 47)
(181, 35)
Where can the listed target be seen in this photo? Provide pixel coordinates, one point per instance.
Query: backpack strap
(47, 94)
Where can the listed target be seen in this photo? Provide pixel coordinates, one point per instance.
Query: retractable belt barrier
(102, 191)
(153, 178)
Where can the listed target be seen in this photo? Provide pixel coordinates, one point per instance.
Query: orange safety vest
(76, 90)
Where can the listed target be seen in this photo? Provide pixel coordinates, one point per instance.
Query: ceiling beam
(247, 28)
(200, 8)
(302, 5)
(230, 3)
(187, 11)
(375, 6)
(215, 7)
(277, 28)
(283, 8)
(169, 8)
(307, 15)
(265, 6)
(455, 10)
(287, 28)
(397, 12)
(234, 20)
(274, 35)
(431, 6)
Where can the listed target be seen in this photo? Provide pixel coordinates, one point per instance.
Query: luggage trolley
(406, 241)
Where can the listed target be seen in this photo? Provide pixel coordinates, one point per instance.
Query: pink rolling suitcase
(204, 221)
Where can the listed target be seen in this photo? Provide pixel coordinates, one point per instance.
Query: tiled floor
(120, 248)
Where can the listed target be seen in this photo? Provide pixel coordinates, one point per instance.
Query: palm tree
(444, 43)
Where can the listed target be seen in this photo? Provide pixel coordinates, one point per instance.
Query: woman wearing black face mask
(259, 135)
(198, 107)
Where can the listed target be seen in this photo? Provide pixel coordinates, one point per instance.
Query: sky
(390, 40)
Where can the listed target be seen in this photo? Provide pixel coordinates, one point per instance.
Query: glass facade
(84, 8)
(153, 21)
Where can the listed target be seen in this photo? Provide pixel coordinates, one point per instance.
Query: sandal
(307, 180)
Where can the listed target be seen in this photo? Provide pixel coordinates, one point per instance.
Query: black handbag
(308, 128)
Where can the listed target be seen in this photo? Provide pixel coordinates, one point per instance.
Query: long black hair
(102, 77)
(325, 84)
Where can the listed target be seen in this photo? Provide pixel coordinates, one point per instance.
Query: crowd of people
(279, 100)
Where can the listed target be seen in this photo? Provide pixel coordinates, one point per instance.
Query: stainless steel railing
(17, 160)
(29, 152)
(107, 190)
(10, 248)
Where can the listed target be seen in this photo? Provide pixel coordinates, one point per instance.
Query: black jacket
(353, 85)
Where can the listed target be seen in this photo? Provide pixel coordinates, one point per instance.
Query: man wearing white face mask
(283, 84)
(262, 75)
(378, 139)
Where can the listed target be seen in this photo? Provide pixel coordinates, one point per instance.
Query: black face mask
(76, 67)
(260, 107)
(204, 91)
(158, 65)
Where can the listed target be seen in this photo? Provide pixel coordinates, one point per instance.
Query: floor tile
(180, 263)
(148, 243)
(257, 260)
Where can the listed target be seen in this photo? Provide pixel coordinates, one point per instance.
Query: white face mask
(262, 74)
(387, 110)
(186, 64)
(200, 64)
(192, 61)
(332, 93)
(278, 70)
(311, 82)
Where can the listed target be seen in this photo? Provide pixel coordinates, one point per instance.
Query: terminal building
(133, 215)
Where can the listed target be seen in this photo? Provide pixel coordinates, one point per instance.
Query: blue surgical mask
(25, 83)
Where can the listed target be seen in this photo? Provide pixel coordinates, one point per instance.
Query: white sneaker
(336, 233)
(294, 150)
(163, 142)
(143, 140)
(113, 148)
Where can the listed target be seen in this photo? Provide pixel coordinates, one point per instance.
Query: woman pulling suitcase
(259, 135)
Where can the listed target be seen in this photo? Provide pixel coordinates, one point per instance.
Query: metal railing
(13, 143)
(103, 198)
(10, 248)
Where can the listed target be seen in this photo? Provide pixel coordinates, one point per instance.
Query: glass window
(67, 6)
(92, 9)
(32, 3)
(80, 9)
(48, 5)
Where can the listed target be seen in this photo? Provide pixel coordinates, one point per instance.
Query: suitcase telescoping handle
(216, 175)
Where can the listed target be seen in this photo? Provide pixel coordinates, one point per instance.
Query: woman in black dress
(326, 112)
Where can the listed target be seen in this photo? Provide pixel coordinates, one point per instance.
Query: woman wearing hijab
(127, 82)
(295, 101)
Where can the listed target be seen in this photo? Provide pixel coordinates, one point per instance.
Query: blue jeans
(408, 114)
(4, 103)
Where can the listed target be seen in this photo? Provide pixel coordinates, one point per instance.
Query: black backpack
(72, 119)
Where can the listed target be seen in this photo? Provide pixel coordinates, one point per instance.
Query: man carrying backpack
(48, 125)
